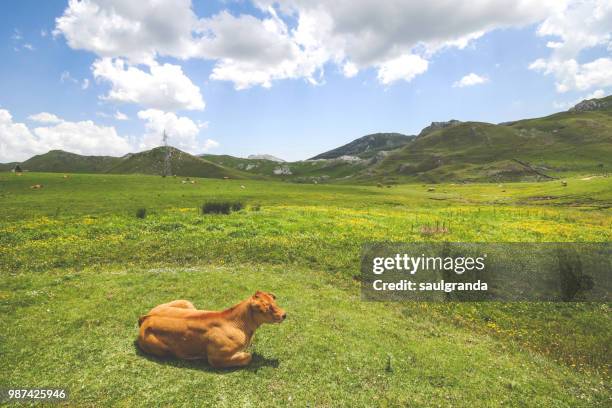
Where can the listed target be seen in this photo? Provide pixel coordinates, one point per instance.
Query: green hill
(66, 162)
(307, 171)
(147, 162)
(182, 164)
(7, 166)
(575, 142)
(367, 146)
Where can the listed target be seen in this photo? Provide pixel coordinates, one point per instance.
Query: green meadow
(78, 267)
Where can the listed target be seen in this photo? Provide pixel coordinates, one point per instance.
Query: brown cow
(178, 329)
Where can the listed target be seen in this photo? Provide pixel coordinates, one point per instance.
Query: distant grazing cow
(36, 186)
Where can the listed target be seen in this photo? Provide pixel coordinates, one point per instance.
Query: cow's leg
(151, 344)
(239, 359)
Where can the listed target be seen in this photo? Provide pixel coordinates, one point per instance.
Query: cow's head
(264, 308)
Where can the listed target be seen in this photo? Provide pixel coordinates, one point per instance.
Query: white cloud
(182, 132)
(19, 142)
(363, 34)
(67, 77)
(19, 43)
(349, 69)
(209, 144)
(470, 79)
(250, 50)
(16, 36)
(403, 68)
(120, 116)
(370, 32)
(563, 105)
(577, 27)
(139, 31)
(45, 117)
(164, 87)
(599, 93)
(571, 75)
(83, 137)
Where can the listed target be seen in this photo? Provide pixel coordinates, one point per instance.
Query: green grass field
(77, 268)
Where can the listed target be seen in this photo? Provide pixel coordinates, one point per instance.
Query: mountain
(308, 171)
(589, 105)
(7, 166)
(367, 146)
(147, 162)
(578, 141)
(265, 157)
(438, 125)
(573, 142)
(66, 162)
(181, 164)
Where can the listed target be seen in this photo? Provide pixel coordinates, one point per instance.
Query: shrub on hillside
(141, 213)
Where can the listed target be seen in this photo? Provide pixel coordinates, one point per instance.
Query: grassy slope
(301, 171)
(147, 162)
(75, 275)
(60, 161)
(591, 132)
(7, 166)
(563, 144)
(257, 166)
(182, 164)
(77, 329)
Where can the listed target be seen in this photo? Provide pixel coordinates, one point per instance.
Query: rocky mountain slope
(367, 146)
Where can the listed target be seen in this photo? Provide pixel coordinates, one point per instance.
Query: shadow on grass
(257, 362)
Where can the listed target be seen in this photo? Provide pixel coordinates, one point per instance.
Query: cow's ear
(257, 294)
(272, 295)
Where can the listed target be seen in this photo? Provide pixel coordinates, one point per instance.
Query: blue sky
(284, 78)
